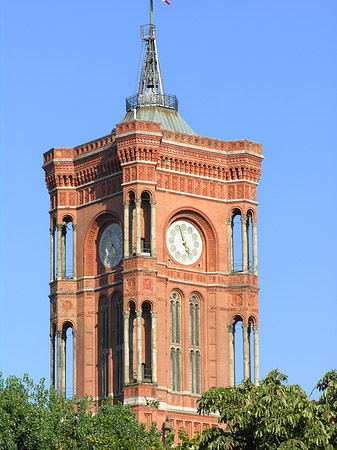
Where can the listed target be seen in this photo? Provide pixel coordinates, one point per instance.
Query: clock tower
(153, 244)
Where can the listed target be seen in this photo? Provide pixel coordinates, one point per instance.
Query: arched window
(132, 343)
(65, 244)
(175, 340)
(104, 347)
(146, 343)
(237, 241)
(118, 319)
(65, 360)
(195, 350)
(145, 235)
(250, 240)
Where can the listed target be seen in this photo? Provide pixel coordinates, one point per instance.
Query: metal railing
(147, 31)
(146, 376)
(151, 99)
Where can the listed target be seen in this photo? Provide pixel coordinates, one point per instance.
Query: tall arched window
(145, 224)
(118, 319)
(237, 241)
(175, 340)
(195, 348)
(104, 347)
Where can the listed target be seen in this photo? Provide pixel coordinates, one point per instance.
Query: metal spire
(150, 89)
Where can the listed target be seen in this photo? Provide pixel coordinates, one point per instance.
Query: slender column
(126, 316)
(138, 226)
(154, 345)
(126, 229)
(153, 228)
(63, 362)
(74, 361)
(256, 355)
(254, 245)
(246, 356)
(63, 250)
(74, 250)
(59, 251)
(59, 362)
(231, 354)
(229, 222)
(244, 244)
(52, 255)
(139, 346)
(52, 359)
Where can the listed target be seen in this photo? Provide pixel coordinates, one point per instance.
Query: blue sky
(248, 69)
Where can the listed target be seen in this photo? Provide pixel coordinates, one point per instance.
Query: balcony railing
(151, 99)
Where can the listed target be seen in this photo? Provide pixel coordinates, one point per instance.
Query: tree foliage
(273, 415)
(35, 418)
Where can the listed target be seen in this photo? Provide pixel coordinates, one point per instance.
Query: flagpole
(151, 12)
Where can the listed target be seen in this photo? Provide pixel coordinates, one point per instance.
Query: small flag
(166, 1)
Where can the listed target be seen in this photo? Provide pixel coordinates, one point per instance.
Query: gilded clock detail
(111, 245)
(184, 242)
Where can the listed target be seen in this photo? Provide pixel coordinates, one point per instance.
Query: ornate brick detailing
(236, 299)
(90, 248)
(138, 125)
(224, 168)
(66, 306)
(136, 153)
(226, 146)
(103, 189)
(147, 284)
(252, 300)
(94, 145)
(131, 285)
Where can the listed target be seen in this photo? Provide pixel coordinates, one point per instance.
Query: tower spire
(150, 88)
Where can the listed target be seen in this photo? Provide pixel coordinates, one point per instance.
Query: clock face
(184, 242)
(111, 245)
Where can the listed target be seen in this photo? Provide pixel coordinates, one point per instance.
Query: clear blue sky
(263, 70)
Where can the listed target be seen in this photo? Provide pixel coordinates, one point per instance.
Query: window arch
(195, 343)
(103, 347)
(117, 301)
(175, 340)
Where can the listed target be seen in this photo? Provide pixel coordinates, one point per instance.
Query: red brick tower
(148, 270)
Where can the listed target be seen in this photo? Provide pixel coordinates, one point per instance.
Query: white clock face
(111, 245)
(184, 242)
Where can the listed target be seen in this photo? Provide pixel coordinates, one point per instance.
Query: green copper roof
(169, 118)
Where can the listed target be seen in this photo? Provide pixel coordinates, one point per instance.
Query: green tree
(35, 418)
(273, 415)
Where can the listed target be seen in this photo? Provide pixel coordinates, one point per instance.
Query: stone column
(59, 362)
(52, 359)
(153, 228)
(59, 251)
(154, 345)
(138, 203)
(63, 250)
(246, 355)
(139, 346)
(74, 250)
(254, 245)
(63, 362)
(256, 355)
(244, 244)
(74, 361)
(126, 229)
(229, 223)
(52, 255)
(231, 354)
(126, 316)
